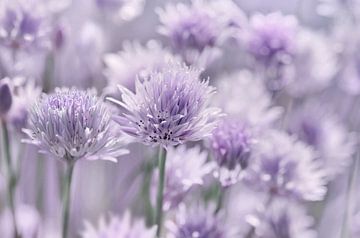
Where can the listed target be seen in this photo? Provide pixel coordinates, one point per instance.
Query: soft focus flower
(335, 146)
(271, 41)
(27, 219)
(185, 168)
(314, 64)
(230, 146)
(169, 107)
(25, 93)
(6, 97)
(23, 25)
(124, 10)
(135, 60)
(283, 219)
(284, 166)
(242, 95)
(195, 31)
(196, 221)
(72, 124)
(119, 227)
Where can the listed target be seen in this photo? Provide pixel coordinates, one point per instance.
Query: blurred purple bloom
(253, 105)
(196, 221)
(230, 145)
(134, 61)
(185, 168)
(334, 145)
(27, 219)
(119, 227)
(6, 98)
(72, 124)
(283, 166)
(169, 107)
(283, 219)
(124, 10)
(23, 26)
(196, 31)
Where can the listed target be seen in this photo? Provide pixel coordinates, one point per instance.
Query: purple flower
(5, 97)
(168, 108)
(334, 145)
(134, 61)
(72, 124)
(283, 219)
(284, 166)
(197, 221)
(185, 168)
(119, 227)
(23, 27)
(195, 31)
(230, 145)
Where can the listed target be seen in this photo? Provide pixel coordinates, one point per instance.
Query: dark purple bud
(5, 98)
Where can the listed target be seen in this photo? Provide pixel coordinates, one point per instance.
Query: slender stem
(220, 200)
(11, 176)
(66, 198)
(160, 192)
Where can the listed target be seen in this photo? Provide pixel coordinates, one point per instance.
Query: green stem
(66, 198)
(11, 176)
(149, 213)
(160, 192)
(220, 199)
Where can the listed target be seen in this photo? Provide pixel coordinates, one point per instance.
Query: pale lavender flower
(118, 227)
(283, 166)
(253, 105)
(6, 97)
(27, 219)
(231, 145)
(168, 108)
(72, 124)
(282, 219)
(23, 25)
(124, 10)
(196, 221)
(185, 168)
(195, 31)
(334, 145)
(314, 64)
(135, 60)
(25, 93)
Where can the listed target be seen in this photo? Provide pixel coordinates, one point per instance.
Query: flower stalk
(160, 191)
(66, 198)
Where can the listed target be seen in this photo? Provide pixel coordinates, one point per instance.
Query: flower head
(284, 166)
(283, 219)
(169, 107)
(72, 124)
(185, 168)
(197, 221)
(194, 31)
(119, 228)
(133, 61)
(230, 145)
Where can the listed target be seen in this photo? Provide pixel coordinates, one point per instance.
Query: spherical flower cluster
(197, 221)
(185, 168)
(168, 108)
(23, 26)
(283, 219)
(135, 60)
(72, 124)
(334, 145)
(194, 31)
(230, 145)
(253, 105)
(119, 228)
(283, 166)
